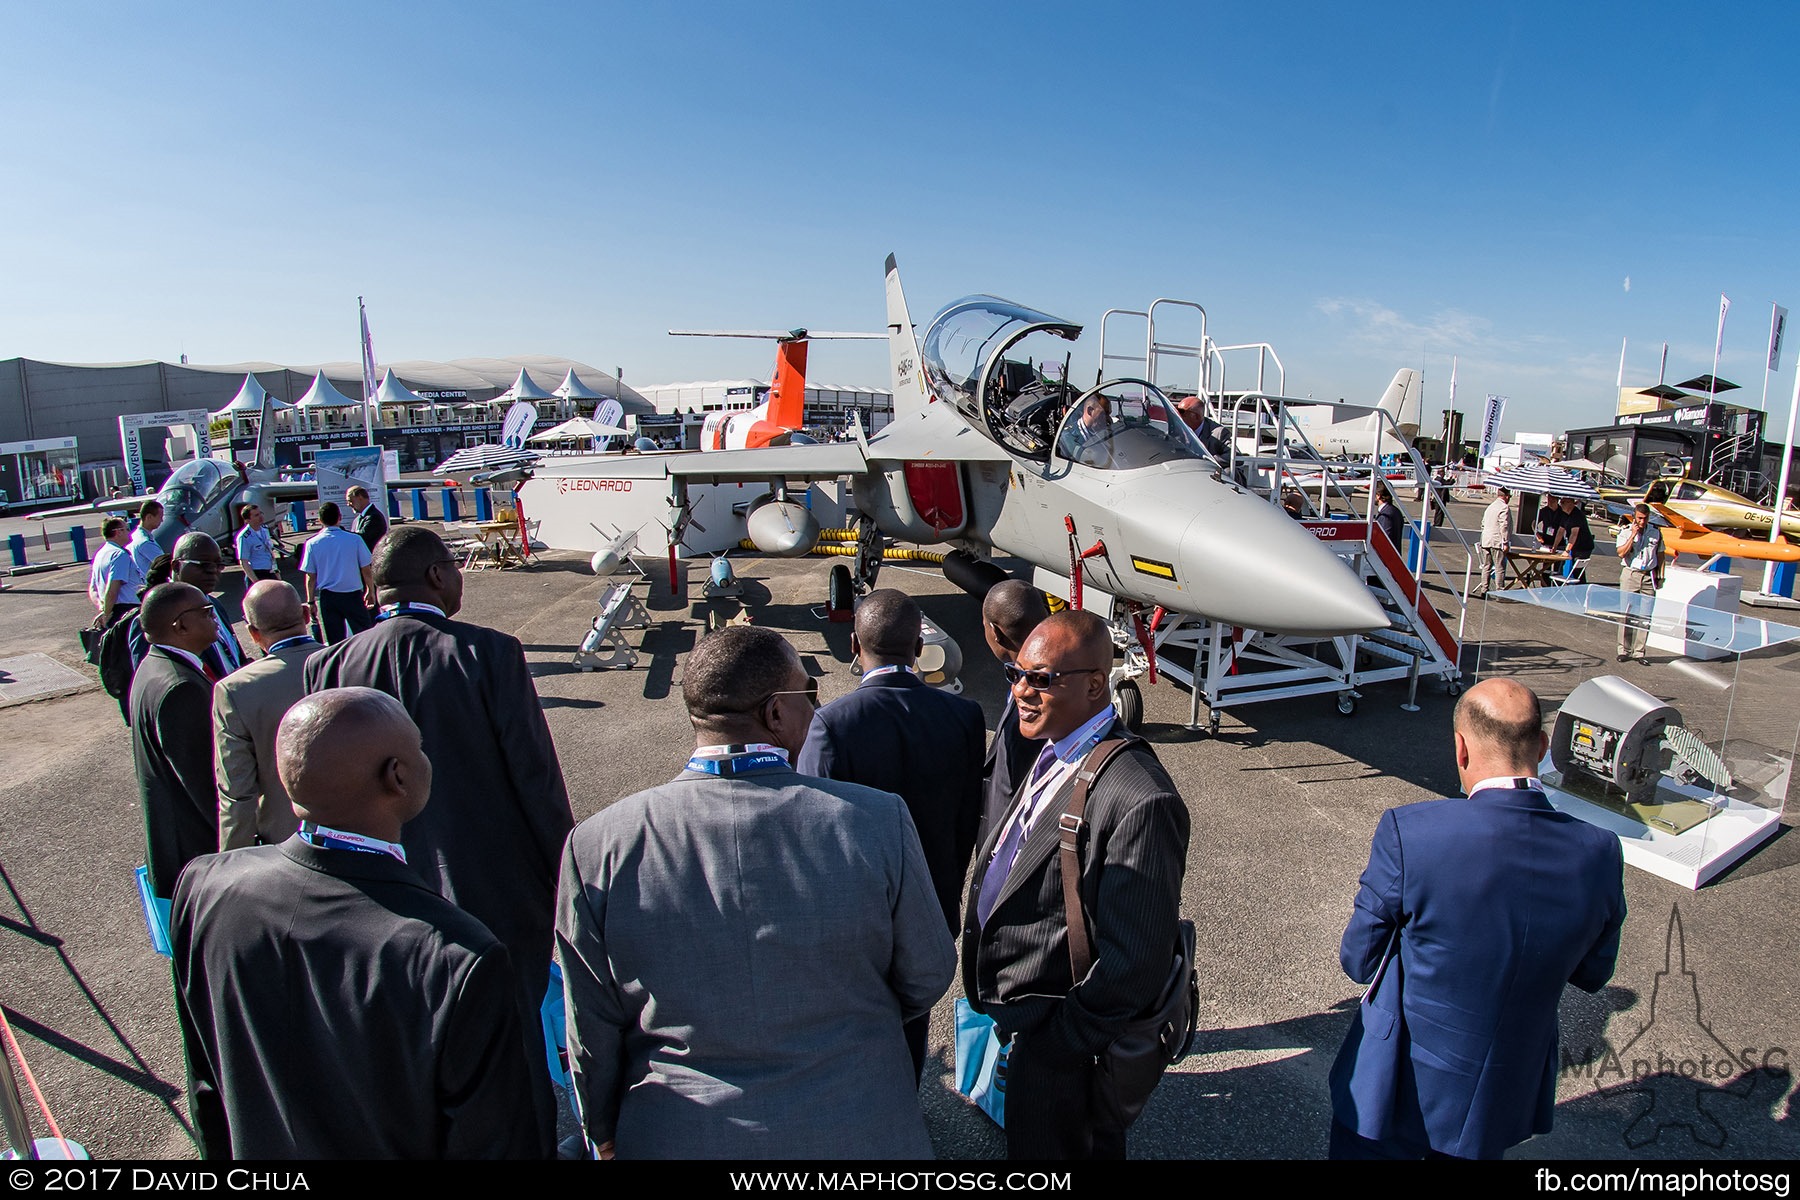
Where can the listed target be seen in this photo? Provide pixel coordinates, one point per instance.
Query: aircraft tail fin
(787, 393)
(1402, 401)
(910, 396)
(265, 433)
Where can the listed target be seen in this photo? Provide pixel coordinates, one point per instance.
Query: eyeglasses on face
(810, 691)
(1040, 681)
(201, 608)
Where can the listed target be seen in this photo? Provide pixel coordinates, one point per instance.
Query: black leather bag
(1128, 1070)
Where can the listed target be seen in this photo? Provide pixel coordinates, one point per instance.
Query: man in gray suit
(247, 706)
(740, 946)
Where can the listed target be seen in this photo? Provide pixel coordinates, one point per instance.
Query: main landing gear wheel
(1346, 703)
(841, 593)
(1131, 705)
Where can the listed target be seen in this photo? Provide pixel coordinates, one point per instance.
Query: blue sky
(1366, 187)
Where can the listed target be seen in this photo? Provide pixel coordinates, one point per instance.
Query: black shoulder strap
(1069, 825)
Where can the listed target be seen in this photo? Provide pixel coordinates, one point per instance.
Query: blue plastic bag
(156, 915)
(980, 1062)
(554, 1015)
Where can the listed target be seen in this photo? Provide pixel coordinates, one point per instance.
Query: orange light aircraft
(1684, 536)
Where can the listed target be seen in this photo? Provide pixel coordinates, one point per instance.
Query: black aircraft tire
(841, 593)
(1131, 706)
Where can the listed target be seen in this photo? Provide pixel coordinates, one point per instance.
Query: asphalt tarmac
(1283, 803)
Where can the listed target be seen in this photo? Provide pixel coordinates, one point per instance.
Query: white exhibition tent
(392, 391)
(322, 394)
(523, 388)
(250, 399)
(572, 388)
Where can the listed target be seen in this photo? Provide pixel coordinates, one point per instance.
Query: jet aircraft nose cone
(1254, 566)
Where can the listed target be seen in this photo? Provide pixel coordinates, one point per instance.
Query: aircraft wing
(118, 504)
(824, 461)
(1677, 521)
(288, 489)
(935, 432)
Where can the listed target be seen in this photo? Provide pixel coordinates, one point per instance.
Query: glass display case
(1672, 723)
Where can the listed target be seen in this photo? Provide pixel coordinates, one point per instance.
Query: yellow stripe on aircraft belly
(1150, 566)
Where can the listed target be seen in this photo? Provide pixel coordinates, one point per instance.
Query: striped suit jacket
(1133, 856)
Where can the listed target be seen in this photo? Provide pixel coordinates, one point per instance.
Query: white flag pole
(1449, 421)
(1622, 344)
(368, 372)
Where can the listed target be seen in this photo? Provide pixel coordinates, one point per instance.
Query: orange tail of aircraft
(787, 395)
(776, 419)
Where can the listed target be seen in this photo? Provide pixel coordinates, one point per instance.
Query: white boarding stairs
(1224, 666)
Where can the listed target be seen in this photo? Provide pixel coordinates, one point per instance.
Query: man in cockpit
(1082, 439)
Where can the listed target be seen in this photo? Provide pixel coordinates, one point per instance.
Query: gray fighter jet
(993, 450)
(208, 493)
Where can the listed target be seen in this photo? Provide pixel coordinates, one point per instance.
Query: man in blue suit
(1471, 916)
(898, 734)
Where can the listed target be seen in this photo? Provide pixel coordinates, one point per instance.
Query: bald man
(1016, 956)
(341, 1008)
(1471, 917)
(247, 707)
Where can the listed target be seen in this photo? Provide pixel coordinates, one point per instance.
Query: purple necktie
(1001, 867)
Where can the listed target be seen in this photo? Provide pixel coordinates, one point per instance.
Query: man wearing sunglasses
(741, 946)
(1133, 853)
(897, 733)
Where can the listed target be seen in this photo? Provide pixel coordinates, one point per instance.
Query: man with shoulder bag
(1073, 942)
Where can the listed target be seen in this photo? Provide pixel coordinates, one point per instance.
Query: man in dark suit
(1133, 853)
(171, 732)
(1009, 612)
(339, 1007)
(196, 560)
(898, 734)
(371, 523)
(1471, 916)
(491, 840)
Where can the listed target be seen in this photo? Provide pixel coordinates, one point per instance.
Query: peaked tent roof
(250, 399)
(524, 388)
(571, 388)
(323, 395)
(392, 391)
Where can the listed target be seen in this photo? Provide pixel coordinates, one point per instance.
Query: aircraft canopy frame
(965, 365)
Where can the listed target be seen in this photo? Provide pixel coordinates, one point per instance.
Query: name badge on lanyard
(739, 760)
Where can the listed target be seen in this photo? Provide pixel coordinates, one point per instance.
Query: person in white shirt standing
(340, 585)
(255, 548)
(143, 547)
(114, 581)
(1496, 536)
(1640, 548)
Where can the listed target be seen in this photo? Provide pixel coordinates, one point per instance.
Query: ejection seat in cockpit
(1032, 407)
